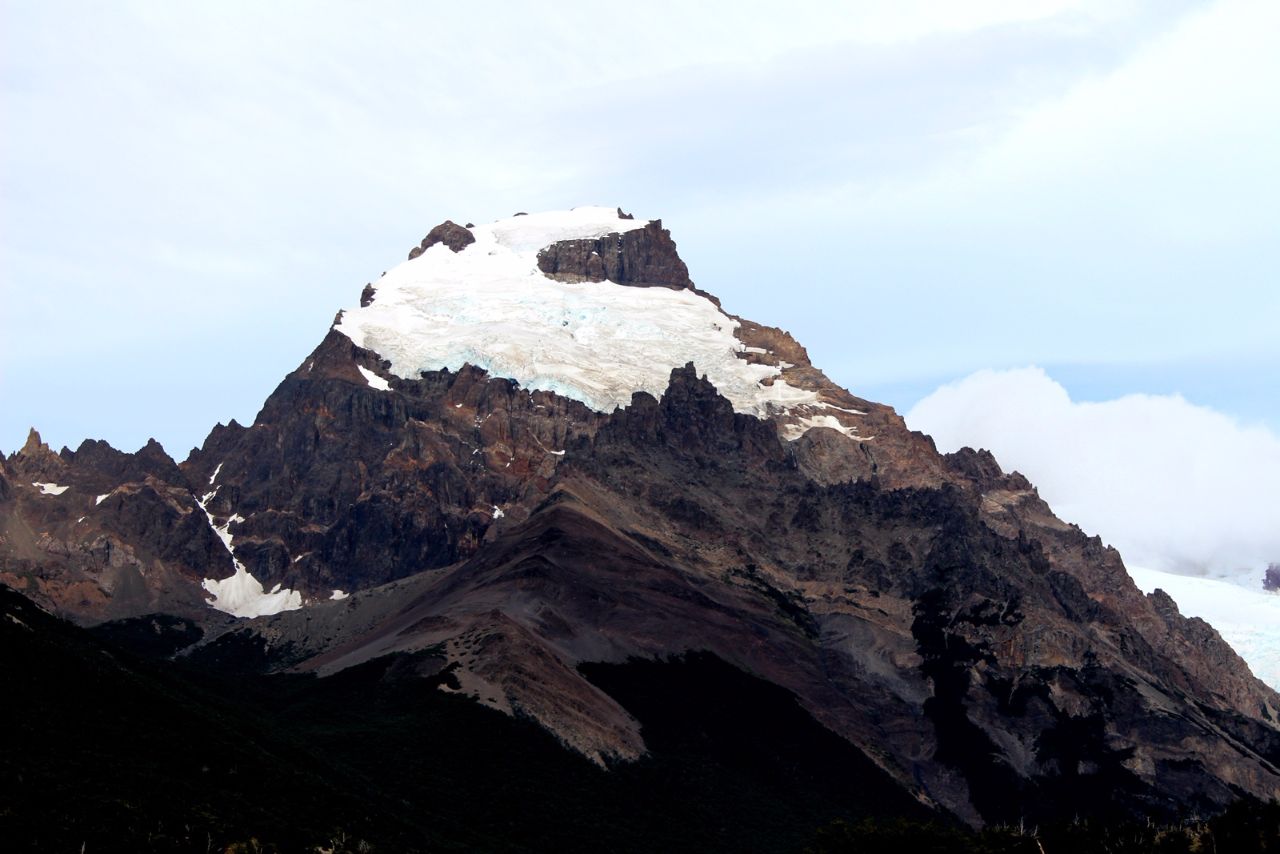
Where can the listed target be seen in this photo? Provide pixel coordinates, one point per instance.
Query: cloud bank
(1175, 486)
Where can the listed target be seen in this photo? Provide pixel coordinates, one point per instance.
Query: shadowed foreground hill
(120, 752)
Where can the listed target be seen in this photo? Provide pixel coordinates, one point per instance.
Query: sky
(918, 191)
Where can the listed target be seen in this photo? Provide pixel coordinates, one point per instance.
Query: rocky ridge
(645, 258)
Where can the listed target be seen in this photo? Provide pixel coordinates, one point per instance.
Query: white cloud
(1175, 486)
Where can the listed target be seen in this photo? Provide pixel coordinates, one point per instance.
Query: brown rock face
(645, 257)
(992, 659)
(418, 471)
(124, 537)
(455, 236)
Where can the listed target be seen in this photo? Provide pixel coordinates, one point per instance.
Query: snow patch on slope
(242, 595)
(1248, 620)
(50, 488)
(373, 379)
(596, 342)
(805, 423)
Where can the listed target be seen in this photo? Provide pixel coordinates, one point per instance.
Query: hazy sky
(916, 190)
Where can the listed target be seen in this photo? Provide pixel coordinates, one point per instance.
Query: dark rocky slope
(110, 750)
(981, 675)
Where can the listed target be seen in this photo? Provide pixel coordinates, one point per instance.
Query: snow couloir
(596, 342)
(242, 595)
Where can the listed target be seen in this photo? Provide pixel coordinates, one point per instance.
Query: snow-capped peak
(491, 306)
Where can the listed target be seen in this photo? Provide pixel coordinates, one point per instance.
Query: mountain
(1247, 619)
(539, 473)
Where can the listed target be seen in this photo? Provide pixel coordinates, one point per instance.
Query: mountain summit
(534, 451)
(582, 303)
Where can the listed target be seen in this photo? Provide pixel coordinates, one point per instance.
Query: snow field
(596, 342)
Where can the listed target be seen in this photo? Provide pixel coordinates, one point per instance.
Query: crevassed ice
(1248, 620)
(596, 342)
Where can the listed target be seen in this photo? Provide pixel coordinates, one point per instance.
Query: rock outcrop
(644, 257)
(455, 236)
